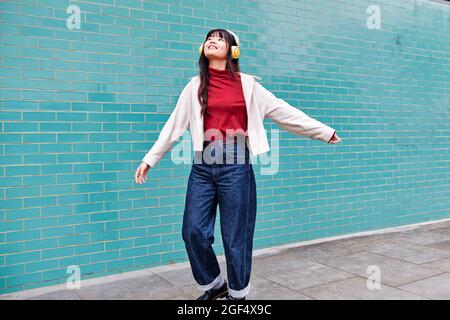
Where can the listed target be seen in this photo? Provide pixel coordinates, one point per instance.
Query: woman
(224, 110)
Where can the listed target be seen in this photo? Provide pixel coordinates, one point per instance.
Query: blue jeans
(229, 183)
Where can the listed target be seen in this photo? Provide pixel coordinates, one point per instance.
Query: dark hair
(232, 66)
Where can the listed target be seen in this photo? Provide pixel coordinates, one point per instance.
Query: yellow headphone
(235, 50)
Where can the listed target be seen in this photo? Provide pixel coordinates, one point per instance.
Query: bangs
(218, 32)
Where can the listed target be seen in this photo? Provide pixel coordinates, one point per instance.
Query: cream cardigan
(260, 104)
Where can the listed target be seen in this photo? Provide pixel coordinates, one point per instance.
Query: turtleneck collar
(219, 73)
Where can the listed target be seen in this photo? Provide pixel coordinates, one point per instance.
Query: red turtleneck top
(226, 104)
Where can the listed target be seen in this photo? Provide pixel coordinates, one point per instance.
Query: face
(215, 47)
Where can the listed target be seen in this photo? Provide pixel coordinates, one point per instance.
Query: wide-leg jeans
(221, 175)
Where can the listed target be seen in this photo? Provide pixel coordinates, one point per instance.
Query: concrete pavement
(413, 263)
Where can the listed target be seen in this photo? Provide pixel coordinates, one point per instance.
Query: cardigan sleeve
(291, 118)
(175, 126)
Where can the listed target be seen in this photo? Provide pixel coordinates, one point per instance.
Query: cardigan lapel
(247, 89)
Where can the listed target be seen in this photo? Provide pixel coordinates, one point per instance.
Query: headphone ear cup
(235, 52)
(200, 49)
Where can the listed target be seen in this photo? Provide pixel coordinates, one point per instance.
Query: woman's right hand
(141, 173)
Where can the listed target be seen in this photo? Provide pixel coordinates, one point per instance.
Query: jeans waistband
(229, 140)
(228, 151)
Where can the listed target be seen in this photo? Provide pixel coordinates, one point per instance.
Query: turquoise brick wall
(80, 108)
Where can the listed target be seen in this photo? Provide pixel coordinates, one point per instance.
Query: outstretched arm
(290, 118)
(175, 126)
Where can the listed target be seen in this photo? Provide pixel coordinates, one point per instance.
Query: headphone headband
(235, 36)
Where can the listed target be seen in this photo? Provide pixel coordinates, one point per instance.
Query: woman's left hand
(334, 139)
